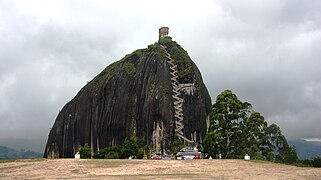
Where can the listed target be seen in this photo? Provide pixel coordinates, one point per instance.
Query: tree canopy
(235, 130)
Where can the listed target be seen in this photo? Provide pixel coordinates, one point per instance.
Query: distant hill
(306, 149)
(8, 153)
(36, 145)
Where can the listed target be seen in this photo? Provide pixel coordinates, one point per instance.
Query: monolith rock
(154, 94)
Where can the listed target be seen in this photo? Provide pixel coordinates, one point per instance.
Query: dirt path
(147, 169)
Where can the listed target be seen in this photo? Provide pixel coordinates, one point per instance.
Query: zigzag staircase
(178, 101)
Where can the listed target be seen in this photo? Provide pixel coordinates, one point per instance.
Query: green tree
(85, 152)
(227, 114)
(132, 147)
(213, 143)
(253, 135)
(286, 154)
(235, 130)
(275, 146)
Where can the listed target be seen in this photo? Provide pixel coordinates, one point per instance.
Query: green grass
(301, 165)
(268, 162)
(22, 160)
(261, 161)
(276, 163)
(6, 161)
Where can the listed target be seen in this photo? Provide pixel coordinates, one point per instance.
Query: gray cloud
(267, 52)
(269, 58)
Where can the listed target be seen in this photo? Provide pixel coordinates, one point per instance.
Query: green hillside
(8, 153)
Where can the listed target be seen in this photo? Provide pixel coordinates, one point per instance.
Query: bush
(107, 153)
(316, 162)
(165, 40)
(85, 152)
(299, 164)
(130, 147)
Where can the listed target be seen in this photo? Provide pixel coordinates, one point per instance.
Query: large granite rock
(133, 97)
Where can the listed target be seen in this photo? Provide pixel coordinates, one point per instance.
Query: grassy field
(151, 169)
(22, 160)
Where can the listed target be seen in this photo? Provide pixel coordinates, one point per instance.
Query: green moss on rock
(185, 65)
(129, 68)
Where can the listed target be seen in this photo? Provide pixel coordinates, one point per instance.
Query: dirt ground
(152, 169)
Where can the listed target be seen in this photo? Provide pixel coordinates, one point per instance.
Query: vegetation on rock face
(185, 65)
(126, 64)
(129, 68)
(235, 130)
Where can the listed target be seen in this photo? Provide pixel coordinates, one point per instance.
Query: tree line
(130, 148)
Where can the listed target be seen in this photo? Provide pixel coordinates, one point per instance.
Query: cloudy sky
(267, 52)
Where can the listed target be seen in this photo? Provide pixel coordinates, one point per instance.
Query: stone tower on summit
(163, 31)
(154, 94)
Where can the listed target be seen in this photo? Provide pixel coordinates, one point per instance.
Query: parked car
(179, 156)
(188, 155)
(191, 155)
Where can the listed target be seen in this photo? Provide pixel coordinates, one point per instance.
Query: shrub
(299, 164)
(316, 162)
(107, 153)
(85, 152)
(165, 40)
(132, 147)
